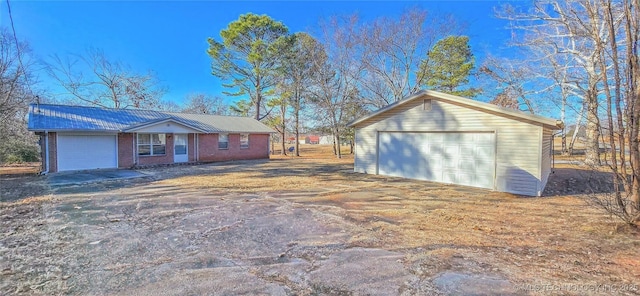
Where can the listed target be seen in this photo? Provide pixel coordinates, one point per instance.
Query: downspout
(196, 150)
(46, 152)
(133, 149)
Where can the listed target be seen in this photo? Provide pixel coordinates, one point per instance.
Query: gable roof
(490, 108)
(47, 117)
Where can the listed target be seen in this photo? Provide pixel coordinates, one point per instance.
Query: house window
(152, 144)
(223, 141)
(244, 141)
(426, 105)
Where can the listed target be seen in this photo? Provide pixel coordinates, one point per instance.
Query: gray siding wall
(545, 164)
(518, 143)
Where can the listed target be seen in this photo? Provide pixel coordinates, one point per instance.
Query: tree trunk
(283, 144)
(273, 146)
(283, 127)
(618, 176)
(337, 136)
(297, 137)
(297, 127)
(335, 152)
(634, 150)
(576, 129)
(258, 100)
(563, 115)
(633, 91)
(592, 145)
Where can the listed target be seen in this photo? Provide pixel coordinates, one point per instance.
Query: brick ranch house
(83, 138)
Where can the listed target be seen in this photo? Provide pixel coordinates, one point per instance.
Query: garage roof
(490, 108)
(48, 117)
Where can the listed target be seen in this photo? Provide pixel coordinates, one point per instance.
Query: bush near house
(18, 151)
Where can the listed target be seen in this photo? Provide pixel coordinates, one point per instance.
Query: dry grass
(554, 239)
(558, 239)
(20, 169)
(242, 180)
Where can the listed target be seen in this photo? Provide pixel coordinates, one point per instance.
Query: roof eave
(548, 122)
(155, 122)
(54, 130)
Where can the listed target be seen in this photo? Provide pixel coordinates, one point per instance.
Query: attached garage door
(456, 158)
(86, 152)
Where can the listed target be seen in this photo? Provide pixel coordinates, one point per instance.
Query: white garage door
(456, 158)
(86, 152)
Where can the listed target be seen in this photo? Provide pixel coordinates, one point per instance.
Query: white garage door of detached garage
(86, 152)
(464, 158)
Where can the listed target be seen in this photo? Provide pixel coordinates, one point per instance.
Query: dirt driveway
(307, 226)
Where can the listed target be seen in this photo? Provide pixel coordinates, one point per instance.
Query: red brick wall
(207, 151)
(125, 150)
(208, 148)
(191, 147)
(53, 153)
(159, 159)
(258, 146)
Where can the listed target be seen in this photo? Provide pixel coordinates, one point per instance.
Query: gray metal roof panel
(221, 123)
(78, 118)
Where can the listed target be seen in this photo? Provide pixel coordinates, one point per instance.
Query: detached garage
(444, 138)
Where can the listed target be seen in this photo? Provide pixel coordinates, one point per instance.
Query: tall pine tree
(448, 66)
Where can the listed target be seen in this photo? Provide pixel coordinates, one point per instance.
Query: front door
(180, 148)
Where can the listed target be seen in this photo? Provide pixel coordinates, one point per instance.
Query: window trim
(150, 144)
(247, 144)
(226, 147)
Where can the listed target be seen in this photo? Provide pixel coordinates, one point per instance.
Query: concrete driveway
(92, 176)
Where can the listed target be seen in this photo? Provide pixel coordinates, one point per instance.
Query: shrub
(18, 152)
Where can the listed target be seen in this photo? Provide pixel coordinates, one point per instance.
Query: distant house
(444, 138)
(312, 140)
(325, 140)
(82, 138)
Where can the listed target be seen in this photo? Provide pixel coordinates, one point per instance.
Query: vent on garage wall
(426, 105)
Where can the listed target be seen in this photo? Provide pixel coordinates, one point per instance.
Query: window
(426, 105)
(244, 141)
(151, 144)
(223, 141)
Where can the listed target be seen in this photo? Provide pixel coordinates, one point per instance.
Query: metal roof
(553, 123)
(47, 117)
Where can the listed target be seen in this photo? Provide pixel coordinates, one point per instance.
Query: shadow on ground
(578, 181)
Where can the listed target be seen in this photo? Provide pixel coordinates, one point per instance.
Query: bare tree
(620, 77)
(205, 104)
(168, 106)
(16, 142)
(392, 50)
(512, 81)
(94, 79)
(335, 85)
(592, 47)
(570, 28)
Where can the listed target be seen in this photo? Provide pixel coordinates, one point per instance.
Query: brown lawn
(554, 240)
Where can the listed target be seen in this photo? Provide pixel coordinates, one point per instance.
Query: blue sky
(169, 37)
